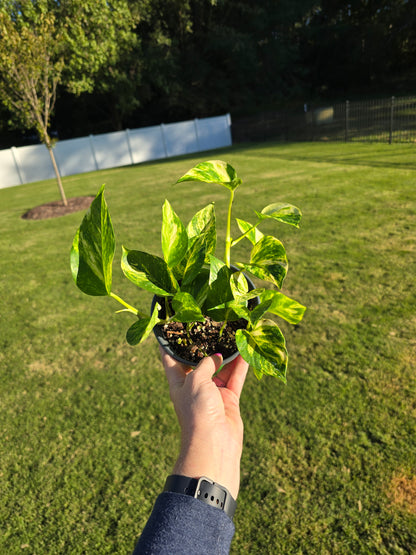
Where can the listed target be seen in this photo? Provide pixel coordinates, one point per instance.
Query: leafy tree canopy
(139, 62)
(47, 43)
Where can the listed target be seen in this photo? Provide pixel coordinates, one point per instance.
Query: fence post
(347, 119)
(91, 138)
(129, 145)
(196, 120)
(16, 163)
(165, 146)
(391, 120)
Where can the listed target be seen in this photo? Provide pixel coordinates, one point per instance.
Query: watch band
(203, 489)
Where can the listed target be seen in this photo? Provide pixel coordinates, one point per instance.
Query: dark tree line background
(199, 58)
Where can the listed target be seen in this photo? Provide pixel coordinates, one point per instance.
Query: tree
(360, 46)
(46, 43)
(31, 63)
(105, 58)
(206, 56)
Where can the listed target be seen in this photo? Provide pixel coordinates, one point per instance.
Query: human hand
(209, 416)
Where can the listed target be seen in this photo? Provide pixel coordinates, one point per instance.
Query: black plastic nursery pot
(228, 354)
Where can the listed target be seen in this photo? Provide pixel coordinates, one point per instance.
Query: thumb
(206, 368)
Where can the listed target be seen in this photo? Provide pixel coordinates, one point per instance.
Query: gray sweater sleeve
(182, 525)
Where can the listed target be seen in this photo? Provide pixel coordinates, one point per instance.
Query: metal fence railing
(386, 120)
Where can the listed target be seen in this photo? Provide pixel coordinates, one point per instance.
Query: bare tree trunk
(58, 175)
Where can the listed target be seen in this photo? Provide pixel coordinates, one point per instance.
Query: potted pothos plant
(202, 304)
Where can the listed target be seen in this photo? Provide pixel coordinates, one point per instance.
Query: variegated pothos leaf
(93, 250)
(213, 171)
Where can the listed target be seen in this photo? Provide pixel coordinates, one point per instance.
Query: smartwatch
(203, 489)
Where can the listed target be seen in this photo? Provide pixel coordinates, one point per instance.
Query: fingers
(234, 375)
(218, 382)
(207, 368)
(174, 370)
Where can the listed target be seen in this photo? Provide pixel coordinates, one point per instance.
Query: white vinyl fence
(110, 150)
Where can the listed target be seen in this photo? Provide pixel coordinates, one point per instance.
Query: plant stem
(244, 234)
(189, 327)
(223, 327)
(129, 307)
(228, 240)
(168, 311)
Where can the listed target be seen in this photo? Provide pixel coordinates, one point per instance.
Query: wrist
(204, 489)
(219, 462)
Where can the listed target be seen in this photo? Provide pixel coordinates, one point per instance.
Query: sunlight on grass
(88, 433)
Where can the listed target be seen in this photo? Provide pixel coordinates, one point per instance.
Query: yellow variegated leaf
(213, 171)
(264, 349)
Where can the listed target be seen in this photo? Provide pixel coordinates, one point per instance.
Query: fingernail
(218, 382)
(218, 355)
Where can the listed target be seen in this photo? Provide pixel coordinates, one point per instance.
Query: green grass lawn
(87, 430)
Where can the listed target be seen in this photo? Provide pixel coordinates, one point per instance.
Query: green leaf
(204, 223)
(186, 308)
(148, 272)
(219, 292)
(93, 249)
(174, 236)
(273, 273)
(259, 311)
(270, 301)
(286, 213)
(238, 284)
(245, 297)
(142, 328)
(264, 349)
(215, 265)
(253, 235)
(237, 307)
(288, 309)
(268, 260)
(233, 310)
(194, 259)
(201, 242)
(213, 171)
(198, 287)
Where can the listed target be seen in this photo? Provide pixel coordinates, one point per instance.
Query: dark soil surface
(203, 339)
(57, 208)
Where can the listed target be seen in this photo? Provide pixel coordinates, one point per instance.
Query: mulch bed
(57, 208)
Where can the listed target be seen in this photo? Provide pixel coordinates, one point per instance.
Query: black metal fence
(386, 120)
